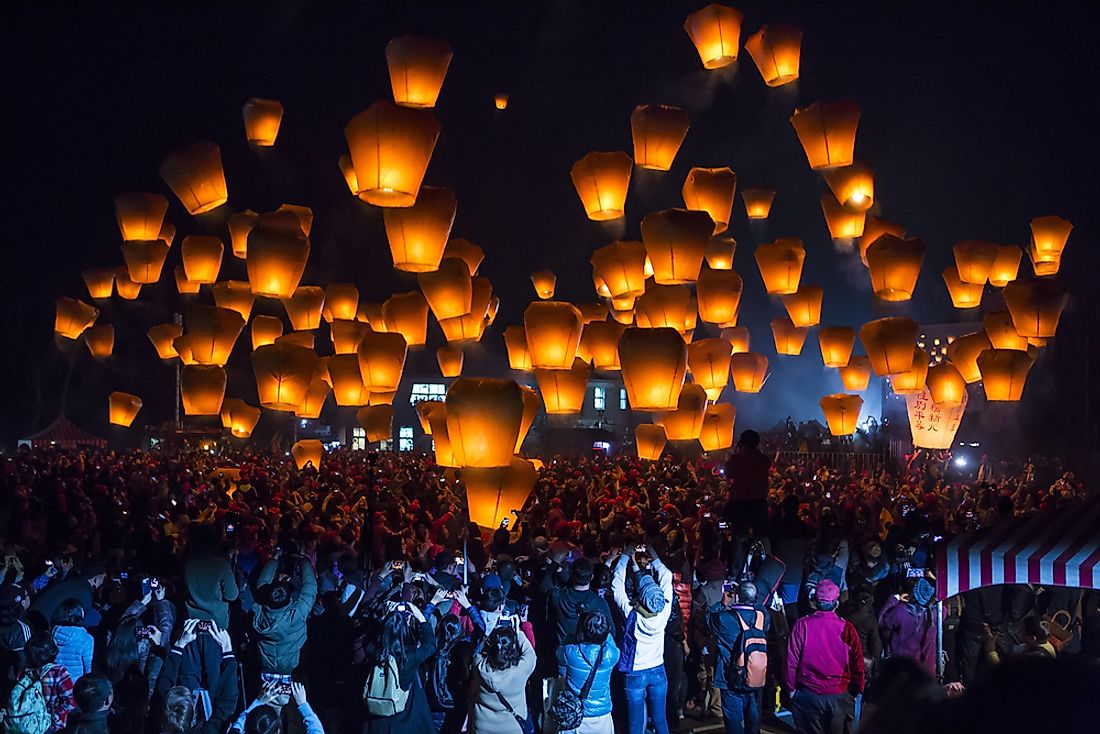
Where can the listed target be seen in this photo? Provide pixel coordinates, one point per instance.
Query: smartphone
(154, 583)
(505, 620)
(123, 575)
(504, 523)
(230, 529)
(723, 525)
(397, 565)
(284, 688)
(146, 587)
(204, 625)
(728, 586)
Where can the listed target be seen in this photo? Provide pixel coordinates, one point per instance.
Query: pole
(939, 640)
(178, 320)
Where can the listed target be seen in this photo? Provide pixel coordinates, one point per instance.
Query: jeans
(741, 712)
(646, 690)
(816, 713)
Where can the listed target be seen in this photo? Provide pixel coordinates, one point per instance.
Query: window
(427, 391)
(622, 398)
(405, 438)
(358, 439)
(386, 445)
(599, 398)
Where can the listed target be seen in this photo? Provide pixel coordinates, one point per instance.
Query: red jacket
(824, 655)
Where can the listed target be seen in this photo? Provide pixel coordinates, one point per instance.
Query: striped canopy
(1059, 548)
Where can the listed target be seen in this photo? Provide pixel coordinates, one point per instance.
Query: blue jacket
(74, 650)
(575, 662)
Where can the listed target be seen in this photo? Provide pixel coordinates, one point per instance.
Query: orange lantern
(650, 440)
(162, 337)
(262, 118)
(348, 170)
(654, 364)
(553, 330)
(974, 260)
(621, 268)
(418, 234)
(894, 265)
(776, 50)
(122, 408)
(711, 190)
(664, 305)
(341, 302)
(602, 180)
(265, 330)
(738, 337)
(450, 361)
(1001, 331)
(100, 339)
(236, 295)
(500, 101)
(857, 373)
(532, 403)
(804, 305)
(417, 67)
(377, 422)
(1004, 372)
(284, 374)
(314, 401)
(307, 452)
(676, 241)
(912, 380)
(126, 287)
(407, 314)
(145, 259)
(843, 224)
(563, 390)
(278, 250)
(623, 316)
(827, 131)
(780, 265)
(390, 150)
(946, 385)
(603, 344)
(347, 380)
(483, 420)
(544, 282)
(424, 409)
(304, 307)
(212, 332)
(842, 413)
(593, 312)
(494, 494)
(100, 282)
(758, 202)
(181, 346)
(196, 177)
(301, 338)
(788, 337)
(515, 341)
(202, 388)
(686, 422)
(371, 313)
(1043, 265)
(228, 404)
(1036, 306)
(243, 420)
(874, 228)
(140, 216)
(381, 360)
(716, 32)
(709, 362)
(183, 285)
(465, 251)
(449, 289)
(471, 326)
(491, 313)
(658, 131)
(717, 430)
(719, 253)
(1048, 237)
(381, 398)
(963, 295)
(963, 352)
(73, 317)
(836, 345)
(167, 233)
(853, 186)
(347, 335)
(889, 344)
(748, 370)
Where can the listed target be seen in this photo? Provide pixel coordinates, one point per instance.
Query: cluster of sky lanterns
(654, 294)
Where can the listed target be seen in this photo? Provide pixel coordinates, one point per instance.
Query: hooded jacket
(75, 648)
(909, 630)
(644, 634)
(211, 585)
(567, 604)
(282, 632)
(575, 662)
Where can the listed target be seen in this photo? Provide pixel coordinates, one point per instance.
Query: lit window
(599, 398)
(427, 391)
(622, 398)
(358, 439)
(405, 438)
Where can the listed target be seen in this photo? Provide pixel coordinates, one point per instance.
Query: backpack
(751, 663)
(383, 693)
(26, 712)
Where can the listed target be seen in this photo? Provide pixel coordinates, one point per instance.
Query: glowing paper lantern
(623, 316)
(100, 339)
(196, 177)
(444, 453)
(449, 289)
(658, 131)
(836, 345)
(1002, 332)
(946, 385)
(212, 332)
(719, 253)
(341, 302)
(650, 440)
(676, 241)
(73, 317)
(515, 341)
(417, 67)
(181, 346)
(307, 452)
(963, 353)
(278, 250)
(371, 313)
(140, 216)
(532, 403)
(347, 335)
(804, 305)
(347, 380)
(853, 186)
(381, 398)
(377, 422)
(126, 287)
(842, 413)
(963, 295)
(544, 282)
(563, 390)
(748, 371)
(491, 313)
(686, 422)
(465, 251)
(620, 266)
(716, 433)
(711, 190)
(236, 295)
(390, 150)
(874, 228)
(843, 224)
(1004, 372)
(284, 373)
(470, 326)
(1048, 237)
(228, 404)
(407, 314)
(262, 118)
(788, 337)
(738, 337)
(483, 420)
(780, 265)
(243, 420)
(145, 259)
(1036, 306)
(381, 360)
(122, 408)
(974, 260)
(1043, 266)
(889, 344)
(304, 306)
(827, 131)
(100, 282)
(162, 337)
(593, 312)
(776, 50)
(553, 330)
(664, 305)
(933, 426)
(603, 344)
(758, 202)
(912, 380)
(424, 409)
(202, 388)
(856, 374)
(450, 361)
(348, 170)
(602, 180)
(716, 32)
(894, 265)
(265, 330)
(183, 285)
(314, 401)
(301, 338)
(494, 493)
(418, 234)
(500, 101)
(709, 362)
(654, 364)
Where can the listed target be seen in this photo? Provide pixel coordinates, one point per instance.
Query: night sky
(976, 118)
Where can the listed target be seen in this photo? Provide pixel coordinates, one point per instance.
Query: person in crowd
(406, 638)
(42, 670)
(131, 677)
(14, 631)
(1034, 640)
(907, 625)
(80, 586)
(267, 715)
(93, 696)
(571, 601)
(75, 646)
(501, 670)
(711, 577)
(447, 676)
(591, 653)
(280, 616)
(859, 611)
(739, 629)
(216, 692)
(209, 581)
(747, 474)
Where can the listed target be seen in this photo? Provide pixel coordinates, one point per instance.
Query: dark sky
(976, 118)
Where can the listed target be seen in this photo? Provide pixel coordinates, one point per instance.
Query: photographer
(215, 692)
(280, 618)
(740, 632)
(209, 581)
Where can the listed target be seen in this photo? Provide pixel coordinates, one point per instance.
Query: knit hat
(650, 596)
(827, 591)
(923, 593)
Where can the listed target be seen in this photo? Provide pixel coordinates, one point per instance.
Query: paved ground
(770, 725)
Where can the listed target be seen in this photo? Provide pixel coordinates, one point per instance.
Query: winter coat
(282, 632)
(222, 686)
(488, 715)
(723, 624)
(909, 630)
(75, 648)
(863, 619)
(567, 605)
(211, 585)
(417, 717)
(643, 636)
(52, 596)
(824, 655)
(575, 661)
(81, 723)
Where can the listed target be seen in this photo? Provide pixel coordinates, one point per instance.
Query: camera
(723, 525)
(504, 523)
(204, 625)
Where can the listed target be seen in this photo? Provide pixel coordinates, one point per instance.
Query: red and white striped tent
(1059, 548)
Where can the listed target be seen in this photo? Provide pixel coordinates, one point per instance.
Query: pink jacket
(824, 655)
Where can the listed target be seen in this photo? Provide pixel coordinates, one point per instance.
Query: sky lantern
(100, 339)
(140, 216)
(664, 305)
(73, 317)
(676, 241)
(243, 418)
(963, 353)
(262, 118)
(686, 422)
(347, 168)
(804, 305)
(314, 401)
(624, 315)
(1048, 238)
(424, 408)
(532, 403)
(407, 314)
(873, 228)
(145, 259)
(305, 339)
(748, 370)
(240, 224)
(466, 251)
(711, 190)
(1004, 372)
(738, 337)
(912, 380)
(183, 285)
(603, 344)
(1035, 305)
(483, 420)
(284, 373)
(601, 287)
(654, 364)
(450, 360)
(492, 311)
(212, 332)
(563, 391)
(974, 260)
(470, 326)
(780, 265)
(963, 295)
(265, 330)
(621, 267)
(856, 375)
(371, 313)
(390, 150)
(515, 341)
(381, 360)
(602, 180)
(650, 440)
(202, 388)
(381, 398)
(1002, 332)
(716, 32)
(162, 336)
(341, 302)
(709, 362)
(167, 233)
(182, 346)
(278, 250)
(122, 408)
(776, 50)
(844, 224)
(544, 282)
(494, 494)
(788, 337)
(441, 441)
(127, 289)
(658, 131)
(236, 295)
(418, 234)
(347, 335)
(717, 430)
(1043, 265)
(500, 100)
(417, 67)
(853, 186)
(827, 131)
(226, 414)
(593, 311)
(553, 330)
(894, 265)
(842, 413)
(377, 422)
(758, 202)
(946, 385)
(307, 452)
(195, 175)
(836, 344)
(719, 253)
(889, 344)
(347, 380)
(304, 306)
(449, 289)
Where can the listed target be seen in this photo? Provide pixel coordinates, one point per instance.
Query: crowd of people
(200, 592)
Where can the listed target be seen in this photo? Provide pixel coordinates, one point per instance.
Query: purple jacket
(909, 631)
(824, 655)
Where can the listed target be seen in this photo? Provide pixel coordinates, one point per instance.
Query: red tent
(65, 434)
